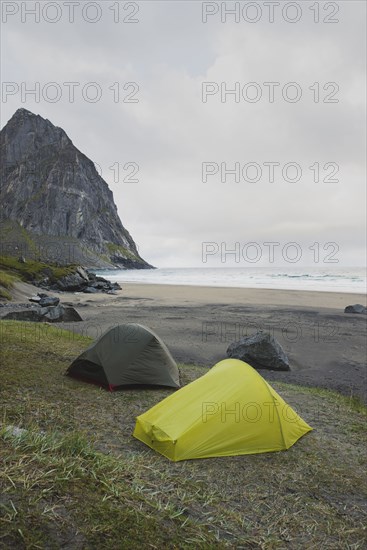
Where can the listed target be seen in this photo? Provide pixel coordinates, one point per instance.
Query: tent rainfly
(229, 411)
(126, 355)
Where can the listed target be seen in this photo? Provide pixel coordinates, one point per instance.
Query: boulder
(51, 314)
(90, 290)
(261, 351)
(100, 285)
(49, 301)
(24, 315)
(60, 313)
(357, 308)
(72, 282)
(71, 315)
(35, 299)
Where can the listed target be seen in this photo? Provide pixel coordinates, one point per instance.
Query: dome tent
(231, 410)
(126, 355)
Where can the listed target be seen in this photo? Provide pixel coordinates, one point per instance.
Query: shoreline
(254, 296)
(341, 280)
(333, 291)
(172, 294)
(255, 291)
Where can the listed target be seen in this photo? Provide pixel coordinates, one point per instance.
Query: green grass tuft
(33, 270)
(5, 294)
(7, 281)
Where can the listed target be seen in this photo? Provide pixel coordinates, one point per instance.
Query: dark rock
(94, 284)
(261, 351)
(71, 315)
(49, 301)
(100, 285)
(60, 314)
(51, 314)
(72, 282)
(82, 272)
(103, 284)
(357, 308)
(80, 281)
(90, 290)
(21, 260)
(24, 315)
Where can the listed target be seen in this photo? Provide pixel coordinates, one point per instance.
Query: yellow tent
(231, 410)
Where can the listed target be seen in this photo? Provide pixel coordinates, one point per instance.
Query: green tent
(126, 355)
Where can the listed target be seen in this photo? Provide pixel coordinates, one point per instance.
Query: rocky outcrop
(356, 308)
(55, 206)
(90, 283)
(261, 351)
(72, 282)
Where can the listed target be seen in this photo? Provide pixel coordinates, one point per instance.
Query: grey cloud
(170, 132)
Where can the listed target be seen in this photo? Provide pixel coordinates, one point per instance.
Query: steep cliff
(54, 204)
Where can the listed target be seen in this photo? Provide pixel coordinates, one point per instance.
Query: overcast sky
(170, 131)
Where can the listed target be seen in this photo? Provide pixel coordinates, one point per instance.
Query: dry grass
(7, 281)
(78, 479)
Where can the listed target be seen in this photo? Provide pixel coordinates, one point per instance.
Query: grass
(7, 281)
(124, 252)
(77, 478)
(352, 402)
(33, 270)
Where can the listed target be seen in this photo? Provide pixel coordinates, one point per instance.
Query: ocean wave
(339, 280)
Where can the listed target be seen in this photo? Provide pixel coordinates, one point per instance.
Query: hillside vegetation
(30, 271)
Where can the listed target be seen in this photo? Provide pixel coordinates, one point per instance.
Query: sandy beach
(325, 346)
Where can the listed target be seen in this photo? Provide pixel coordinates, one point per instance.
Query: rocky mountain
(54, 204)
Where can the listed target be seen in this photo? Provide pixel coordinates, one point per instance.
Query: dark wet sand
(326, 347)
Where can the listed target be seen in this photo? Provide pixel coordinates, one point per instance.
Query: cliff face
(52, 193)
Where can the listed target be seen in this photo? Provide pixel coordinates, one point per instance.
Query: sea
(332, 279)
